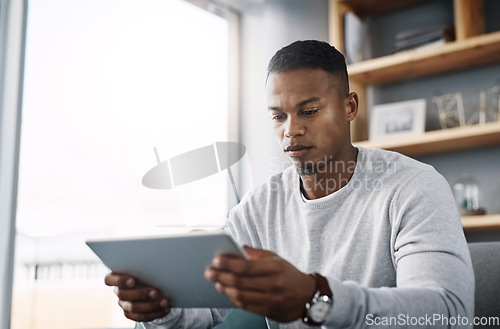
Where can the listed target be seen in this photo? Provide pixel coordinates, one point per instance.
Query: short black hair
(312, 54)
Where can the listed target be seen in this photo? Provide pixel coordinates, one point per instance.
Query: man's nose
(294, 127)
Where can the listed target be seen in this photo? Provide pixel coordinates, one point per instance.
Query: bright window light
(106, 81)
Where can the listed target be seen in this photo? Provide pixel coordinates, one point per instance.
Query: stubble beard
(307, 168)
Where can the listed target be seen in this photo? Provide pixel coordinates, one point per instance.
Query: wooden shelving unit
(478, 223)
(472, 48)
(374, 7)
(474, 51)
(441, 141)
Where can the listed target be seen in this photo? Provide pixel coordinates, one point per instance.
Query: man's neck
(333, 178)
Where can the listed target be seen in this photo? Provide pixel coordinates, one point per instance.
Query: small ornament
(466, 192)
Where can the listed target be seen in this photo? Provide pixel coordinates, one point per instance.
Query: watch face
(318, 311)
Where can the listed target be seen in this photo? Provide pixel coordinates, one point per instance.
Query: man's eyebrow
(299, 105)
(309, 100)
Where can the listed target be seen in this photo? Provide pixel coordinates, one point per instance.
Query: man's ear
(351, 103)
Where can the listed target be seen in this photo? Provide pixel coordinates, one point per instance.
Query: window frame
(12, 42)
(13, 29)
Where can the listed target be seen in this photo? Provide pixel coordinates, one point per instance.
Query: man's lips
(297, 150)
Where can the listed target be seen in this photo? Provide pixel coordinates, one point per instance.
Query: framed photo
(397, 119)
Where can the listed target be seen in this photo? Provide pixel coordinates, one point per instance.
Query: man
(378, 231)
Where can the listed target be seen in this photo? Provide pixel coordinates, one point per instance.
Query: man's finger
(140, 317)
(247, 267)
(255, 253)
(245, 297)
(266, 283)
(144, 307)
(137, 294)
(119, 280)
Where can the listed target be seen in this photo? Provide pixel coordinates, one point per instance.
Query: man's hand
(139, 303)
(264, 284)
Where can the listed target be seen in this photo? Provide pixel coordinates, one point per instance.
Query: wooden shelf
(375, 7)
(478, 50)
(472, 48)
(484, 222)
(441, 141)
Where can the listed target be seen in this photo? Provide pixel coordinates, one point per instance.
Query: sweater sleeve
(435, 280)
(192, 318)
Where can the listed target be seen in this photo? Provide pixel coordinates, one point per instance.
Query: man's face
(309, 117)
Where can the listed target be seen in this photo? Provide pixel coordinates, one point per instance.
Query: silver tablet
(174, 264)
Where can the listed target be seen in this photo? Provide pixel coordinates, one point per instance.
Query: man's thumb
(254, 253)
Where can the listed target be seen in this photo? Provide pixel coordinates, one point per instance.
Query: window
(106, 82)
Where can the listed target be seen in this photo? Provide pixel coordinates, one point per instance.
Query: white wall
(267, 26)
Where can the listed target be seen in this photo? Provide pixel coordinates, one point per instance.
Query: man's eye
(310, 112)
(278, 117)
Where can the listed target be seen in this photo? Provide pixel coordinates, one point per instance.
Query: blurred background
(105, 82)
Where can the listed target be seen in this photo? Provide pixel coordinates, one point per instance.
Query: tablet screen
(174, 264)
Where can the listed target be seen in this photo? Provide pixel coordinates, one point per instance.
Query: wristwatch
(319, 306)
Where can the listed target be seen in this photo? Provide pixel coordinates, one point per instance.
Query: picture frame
(397, 119)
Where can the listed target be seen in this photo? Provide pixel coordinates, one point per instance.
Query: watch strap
(323, 294)
(322, 285)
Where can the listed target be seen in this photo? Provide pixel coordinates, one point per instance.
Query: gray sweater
(390, 243)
